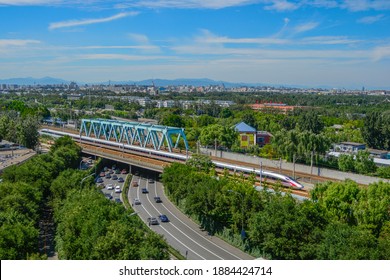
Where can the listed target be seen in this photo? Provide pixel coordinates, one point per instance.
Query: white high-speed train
(285, 180)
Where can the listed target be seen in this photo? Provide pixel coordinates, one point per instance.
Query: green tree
(364, 164)
(224, 136)
(226, 113)
(310, 121)
(200, 162)
(343, 242)
(172, 120)
(249, 119)
(376, 130)
(346, 163)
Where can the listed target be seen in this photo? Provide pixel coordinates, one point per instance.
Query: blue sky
(337, 43)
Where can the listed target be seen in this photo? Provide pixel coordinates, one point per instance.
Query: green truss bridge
(134, 133)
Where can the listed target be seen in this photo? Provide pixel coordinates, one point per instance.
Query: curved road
(180, 232)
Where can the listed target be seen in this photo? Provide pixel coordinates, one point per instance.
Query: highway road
(180, 232)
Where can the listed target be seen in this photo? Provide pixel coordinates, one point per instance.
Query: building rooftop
(243, 127)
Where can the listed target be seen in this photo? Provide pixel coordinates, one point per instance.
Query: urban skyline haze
(335, 43)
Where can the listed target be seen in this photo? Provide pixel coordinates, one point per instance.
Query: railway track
(304, 177)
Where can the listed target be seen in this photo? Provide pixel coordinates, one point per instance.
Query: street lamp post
(242, 211)
(80, 163)
(81, 183)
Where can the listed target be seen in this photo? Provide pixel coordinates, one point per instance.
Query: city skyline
(310, 42)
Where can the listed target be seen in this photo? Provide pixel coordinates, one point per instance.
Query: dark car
(114, 177)
(157, 199)
(99, 180)
(152, 221)
(117, 171)
(120, 180)
(145, 190)
(163, 218)
(118, 200)
(109, 196)
(108, 176)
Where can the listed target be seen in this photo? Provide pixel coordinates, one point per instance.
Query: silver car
(137, 201)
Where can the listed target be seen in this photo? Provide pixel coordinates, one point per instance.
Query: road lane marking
(223, 249)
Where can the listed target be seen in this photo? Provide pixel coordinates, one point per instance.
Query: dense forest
(87, 225)
(341, 221)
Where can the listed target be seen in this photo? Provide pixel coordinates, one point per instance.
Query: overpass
(158, 153)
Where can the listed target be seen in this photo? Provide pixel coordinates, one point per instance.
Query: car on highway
(137, 201)
(145, 190)
(135, 184)
(157, 199)
(163, 218)
(151, 181)
(114, 177)
(118, 189)
(152, 221)
(99, 180)
(110, 187)
(120, 180)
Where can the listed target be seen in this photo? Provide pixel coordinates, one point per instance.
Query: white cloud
(209, 38)
(371, 19)
(71, 23)
(16, 42)
(139, 38)
(364, 5)
(324, 3)
(329, 40)
(282, 5)
(305, 27)
(185, 4)
(277, 5)
(121, 57)
(27, 2)
(380, 53)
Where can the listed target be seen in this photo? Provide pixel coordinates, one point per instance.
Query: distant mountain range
(182, 82)
(33, 81)
(156, 82)
(150, 82)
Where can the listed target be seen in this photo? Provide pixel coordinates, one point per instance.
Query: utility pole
(294, 166)
(280, 165)
(311, 163)
(215, 146)
(261, 173)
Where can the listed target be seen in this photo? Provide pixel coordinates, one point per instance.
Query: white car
(117, 189)
(110, 187)
(137, 201)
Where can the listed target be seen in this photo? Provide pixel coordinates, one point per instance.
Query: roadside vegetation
(87, 225)
(342, 221)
